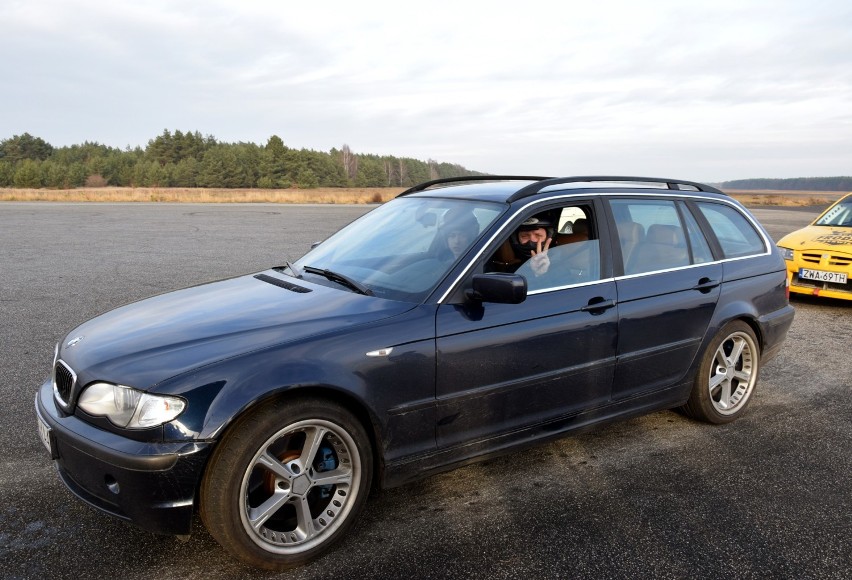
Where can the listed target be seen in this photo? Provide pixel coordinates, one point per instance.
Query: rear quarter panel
(754, 290)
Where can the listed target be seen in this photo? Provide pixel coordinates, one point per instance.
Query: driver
(531, 241)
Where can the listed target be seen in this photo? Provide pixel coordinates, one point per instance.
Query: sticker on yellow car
(835, 239)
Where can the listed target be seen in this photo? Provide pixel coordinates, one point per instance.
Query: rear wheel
(727, 376)
(286, 482)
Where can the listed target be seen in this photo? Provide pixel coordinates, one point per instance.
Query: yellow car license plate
(822, 276)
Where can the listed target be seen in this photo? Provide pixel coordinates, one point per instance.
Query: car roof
(499, 191)
(507, 188)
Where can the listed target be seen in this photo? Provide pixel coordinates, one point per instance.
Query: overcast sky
(706, 91)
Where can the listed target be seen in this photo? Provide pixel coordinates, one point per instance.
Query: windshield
(839, 215)
(402, 249)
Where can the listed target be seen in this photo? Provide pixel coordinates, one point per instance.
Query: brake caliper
(325, 460)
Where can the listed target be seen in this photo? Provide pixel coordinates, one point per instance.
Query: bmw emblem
(73, 341)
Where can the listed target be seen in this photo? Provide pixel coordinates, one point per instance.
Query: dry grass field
(786, 198)
(330, 195)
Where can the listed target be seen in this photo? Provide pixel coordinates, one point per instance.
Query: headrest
(663, 234)
(630, 231)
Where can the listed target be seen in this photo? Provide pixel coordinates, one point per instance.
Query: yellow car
(819, 256)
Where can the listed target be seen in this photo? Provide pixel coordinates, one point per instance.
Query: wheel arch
(737, 310)
(749, 319)
(755, 327)
(324, 392)
(715, 327)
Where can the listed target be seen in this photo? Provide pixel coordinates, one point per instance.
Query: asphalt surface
(660, 496)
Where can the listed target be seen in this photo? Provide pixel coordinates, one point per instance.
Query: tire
(727, 376)
(286, 482)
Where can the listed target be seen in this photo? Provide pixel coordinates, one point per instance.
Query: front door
(504, 367)
(508, 366)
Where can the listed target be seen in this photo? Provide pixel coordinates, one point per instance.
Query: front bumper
(149, 484)
(816, 288)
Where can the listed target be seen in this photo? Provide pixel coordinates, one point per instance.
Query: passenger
(459, 228)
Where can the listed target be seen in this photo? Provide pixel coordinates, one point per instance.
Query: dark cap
(535, 223)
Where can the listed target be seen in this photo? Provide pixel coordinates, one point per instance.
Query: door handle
(706, 284)
(598, 305)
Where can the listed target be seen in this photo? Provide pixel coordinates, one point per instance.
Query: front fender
(396, 391)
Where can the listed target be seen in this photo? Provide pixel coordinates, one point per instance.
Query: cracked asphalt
(659, 496)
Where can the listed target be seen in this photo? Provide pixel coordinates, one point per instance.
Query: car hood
(819, 238)
(146, 342)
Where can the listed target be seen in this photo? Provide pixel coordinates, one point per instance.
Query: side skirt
(413, 468)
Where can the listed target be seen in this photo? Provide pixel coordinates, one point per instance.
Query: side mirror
(498, 287)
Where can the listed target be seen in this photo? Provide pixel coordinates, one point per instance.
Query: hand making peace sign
(539, 262)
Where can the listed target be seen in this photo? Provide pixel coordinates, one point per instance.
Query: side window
(735, 234)
(571, 256)
(651, 235)
(701, 253)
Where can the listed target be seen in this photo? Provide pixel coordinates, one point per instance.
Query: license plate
(44, 434)
(821, 276)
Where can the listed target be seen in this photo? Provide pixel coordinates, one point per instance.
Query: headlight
(787, 253)
(129, 408)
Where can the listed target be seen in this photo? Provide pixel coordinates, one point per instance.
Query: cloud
(700, 90)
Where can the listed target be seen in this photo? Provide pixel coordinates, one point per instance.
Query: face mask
(523, 250)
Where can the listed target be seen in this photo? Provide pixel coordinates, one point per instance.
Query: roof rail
(674, 184)
(427, 184)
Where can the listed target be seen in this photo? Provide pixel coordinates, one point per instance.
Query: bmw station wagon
(463, 319)
(819, 256)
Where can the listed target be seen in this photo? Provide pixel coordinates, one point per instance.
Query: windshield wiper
(340, 279)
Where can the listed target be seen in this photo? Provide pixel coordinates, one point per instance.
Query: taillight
(787, 286)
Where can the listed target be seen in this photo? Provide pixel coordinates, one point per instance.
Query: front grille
(63, 383)
(830, 259)
(823, 260)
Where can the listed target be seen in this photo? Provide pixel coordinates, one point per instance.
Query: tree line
(795, 183)
(192, 160)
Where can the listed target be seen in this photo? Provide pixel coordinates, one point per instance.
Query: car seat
(664, 247)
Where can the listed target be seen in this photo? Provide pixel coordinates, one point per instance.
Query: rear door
(667, 293)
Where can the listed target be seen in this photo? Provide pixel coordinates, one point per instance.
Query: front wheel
(727, 375)
(286, 482)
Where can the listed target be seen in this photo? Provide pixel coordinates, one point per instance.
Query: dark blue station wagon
(463, 319)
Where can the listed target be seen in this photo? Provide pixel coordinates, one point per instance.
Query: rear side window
(700, 249)
(651, 235)
(735, 233)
